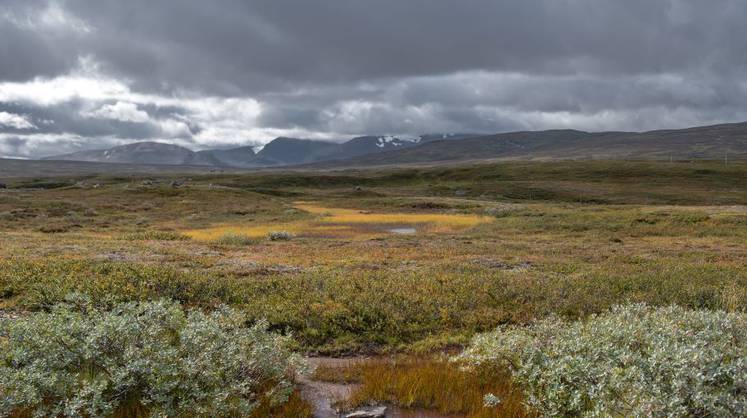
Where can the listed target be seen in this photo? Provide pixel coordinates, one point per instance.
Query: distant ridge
(142, 153)
(705, 142)
(278, 152)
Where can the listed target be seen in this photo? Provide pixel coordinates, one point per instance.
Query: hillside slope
(142, 153)
(707, 142)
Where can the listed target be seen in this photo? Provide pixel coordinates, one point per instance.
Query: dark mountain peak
(288, 151)
(232, 157)
(283, 143)
(286, 139)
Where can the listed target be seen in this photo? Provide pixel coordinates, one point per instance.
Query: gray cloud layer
(91, 73)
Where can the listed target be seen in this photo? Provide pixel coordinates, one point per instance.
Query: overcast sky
(81, 74)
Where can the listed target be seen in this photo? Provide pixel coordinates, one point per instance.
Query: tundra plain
(394, 268)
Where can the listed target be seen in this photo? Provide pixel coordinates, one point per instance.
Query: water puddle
(403, 231)
(325, 396)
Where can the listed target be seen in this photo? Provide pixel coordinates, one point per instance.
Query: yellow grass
(253, 231)
(353, 216)
(345, 223)
(434, 385)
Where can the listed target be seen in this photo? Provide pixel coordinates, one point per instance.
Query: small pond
(403, 231)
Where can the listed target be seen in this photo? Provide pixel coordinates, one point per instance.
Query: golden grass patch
(349, 223)
(353, 216)
(427, 384)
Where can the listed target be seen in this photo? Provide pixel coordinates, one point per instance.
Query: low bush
(634, 360)
(279, 236)
(141, 359)
(337, 310)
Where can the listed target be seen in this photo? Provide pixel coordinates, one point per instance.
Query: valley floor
(406, 264)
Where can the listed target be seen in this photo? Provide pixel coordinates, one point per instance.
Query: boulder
(375, 412)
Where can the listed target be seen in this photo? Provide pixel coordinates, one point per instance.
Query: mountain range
(278, 152)
(706, 142)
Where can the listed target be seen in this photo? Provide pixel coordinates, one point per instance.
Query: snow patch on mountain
(396, 141)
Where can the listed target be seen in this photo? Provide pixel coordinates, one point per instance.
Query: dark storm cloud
(223, 72)
(35, 41)
(240, 43)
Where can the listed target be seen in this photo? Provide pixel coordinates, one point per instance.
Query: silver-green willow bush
(632, 361)
(80, 361)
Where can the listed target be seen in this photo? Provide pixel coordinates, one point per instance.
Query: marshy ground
(402, 265)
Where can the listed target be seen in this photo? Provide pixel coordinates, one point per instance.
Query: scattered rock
(233, 262)
(8, 315)
(502, 265)
(96, 186)
(176, 184)
(279, 236)
(147, 182)
(501, 211)
(460, 193)
(376, 412)
(207, 253)
(325, 396)
(116, 256)
(3, 186)
(358, 189)
(282, 268)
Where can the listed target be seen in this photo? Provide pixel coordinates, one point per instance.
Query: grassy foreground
(579, 238)
(382, 261)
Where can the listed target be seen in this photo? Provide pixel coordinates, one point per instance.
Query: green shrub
(39, 284)
(77, 360)
(279, 236)
(631, 361)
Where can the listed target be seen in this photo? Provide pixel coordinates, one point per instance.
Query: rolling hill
(706, 142)
(278, 152)
(142, 153)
